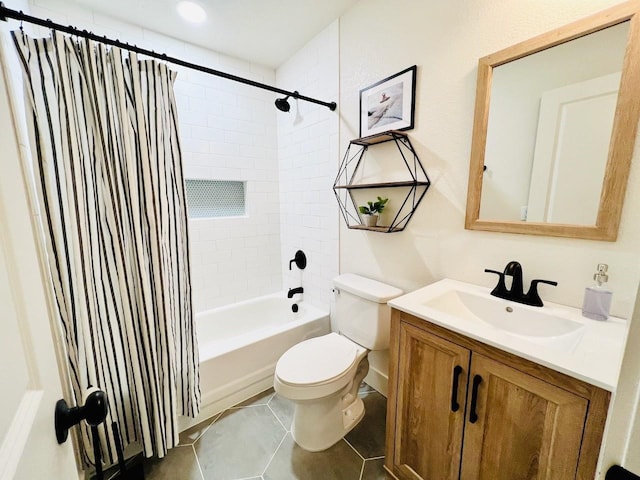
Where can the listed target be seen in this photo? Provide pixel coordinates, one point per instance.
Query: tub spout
(293, 291)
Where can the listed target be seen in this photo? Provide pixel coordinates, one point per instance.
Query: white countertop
(594, 357)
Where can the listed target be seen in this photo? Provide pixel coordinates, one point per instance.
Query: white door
(29, 375)
(571, 152)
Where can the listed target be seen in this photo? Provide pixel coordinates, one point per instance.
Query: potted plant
(371, 211)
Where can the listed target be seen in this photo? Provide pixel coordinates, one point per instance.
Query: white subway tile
(222, 148)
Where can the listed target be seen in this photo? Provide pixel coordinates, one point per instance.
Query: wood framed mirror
(555, 123)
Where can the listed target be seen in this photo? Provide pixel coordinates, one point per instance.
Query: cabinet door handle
(473, 414)
(455, 406)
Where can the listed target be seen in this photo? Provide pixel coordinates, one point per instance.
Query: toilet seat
(318, 361)
(317, 367)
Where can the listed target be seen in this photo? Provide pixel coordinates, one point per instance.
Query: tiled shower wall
(228, 132)
(309, 158)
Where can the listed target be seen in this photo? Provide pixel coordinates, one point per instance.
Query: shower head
(282, 104)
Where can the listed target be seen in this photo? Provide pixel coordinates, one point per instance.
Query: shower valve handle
(300, 260)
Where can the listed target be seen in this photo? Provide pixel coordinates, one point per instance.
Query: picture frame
(389, 104)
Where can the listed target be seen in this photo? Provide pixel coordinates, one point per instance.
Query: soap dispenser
(597, 299)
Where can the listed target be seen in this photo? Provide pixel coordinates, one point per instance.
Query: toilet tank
(361, 312)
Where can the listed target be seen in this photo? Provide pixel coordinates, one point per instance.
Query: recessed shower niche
(391, 170)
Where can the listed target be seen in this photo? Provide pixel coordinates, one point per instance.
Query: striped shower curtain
(107, 167)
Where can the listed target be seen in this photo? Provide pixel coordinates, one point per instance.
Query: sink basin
(555, 336)
(504, 315)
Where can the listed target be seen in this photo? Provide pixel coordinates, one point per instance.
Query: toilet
(322, 375)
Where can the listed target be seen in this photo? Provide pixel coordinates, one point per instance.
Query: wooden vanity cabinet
(460, 409)
(427, 366)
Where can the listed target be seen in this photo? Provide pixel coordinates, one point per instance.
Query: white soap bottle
(597, 299)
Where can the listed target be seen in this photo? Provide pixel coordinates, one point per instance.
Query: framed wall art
(388, 104)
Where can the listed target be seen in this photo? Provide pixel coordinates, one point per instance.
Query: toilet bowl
(322, 375)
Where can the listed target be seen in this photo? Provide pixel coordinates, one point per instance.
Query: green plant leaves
(374, 207)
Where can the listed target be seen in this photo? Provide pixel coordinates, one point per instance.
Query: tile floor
(252, 441)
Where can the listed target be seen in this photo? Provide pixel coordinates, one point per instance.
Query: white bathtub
(241, 343)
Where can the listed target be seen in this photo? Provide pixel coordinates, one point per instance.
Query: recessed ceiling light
(191, 12)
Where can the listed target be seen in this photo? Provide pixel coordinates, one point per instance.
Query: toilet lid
(317, 360)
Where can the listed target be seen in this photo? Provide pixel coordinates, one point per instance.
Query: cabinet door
(430, 409)
(519, 427)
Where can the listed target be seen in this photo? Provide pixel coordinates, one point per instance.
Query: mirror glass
(549, 129)
(554, 129)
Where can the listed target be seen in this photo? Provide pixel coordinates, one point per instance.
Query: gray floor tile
(261, 398)
(365, 388)
(239, 444)
(368, 436)
(189, 436)
(284, 409)
(374, 470)
(180, 462)
(291, 462)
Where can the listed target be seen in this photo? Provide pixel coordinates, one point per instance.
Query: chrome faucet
(293, 291)
(516, 292)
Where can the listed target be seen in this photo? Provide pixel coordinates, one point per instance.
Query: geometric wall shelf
(393, 170)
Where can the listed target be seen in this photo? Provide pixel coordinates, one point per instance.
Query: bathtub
(240, 344)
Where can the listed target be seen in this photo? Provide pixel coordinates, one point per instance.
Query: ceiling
(266, 32)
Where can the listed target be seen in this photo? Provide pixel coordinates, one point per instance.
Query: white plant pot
(371, 220)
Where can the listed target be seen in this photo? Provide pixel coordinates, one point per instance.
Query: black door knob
(94, 411)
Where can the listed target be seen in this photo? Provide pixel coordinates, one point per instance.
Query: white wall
(308, 153)
(446, 43)
(228, 132)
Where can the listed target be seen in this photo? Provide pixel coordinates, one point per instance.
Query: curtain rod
(7, 13)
